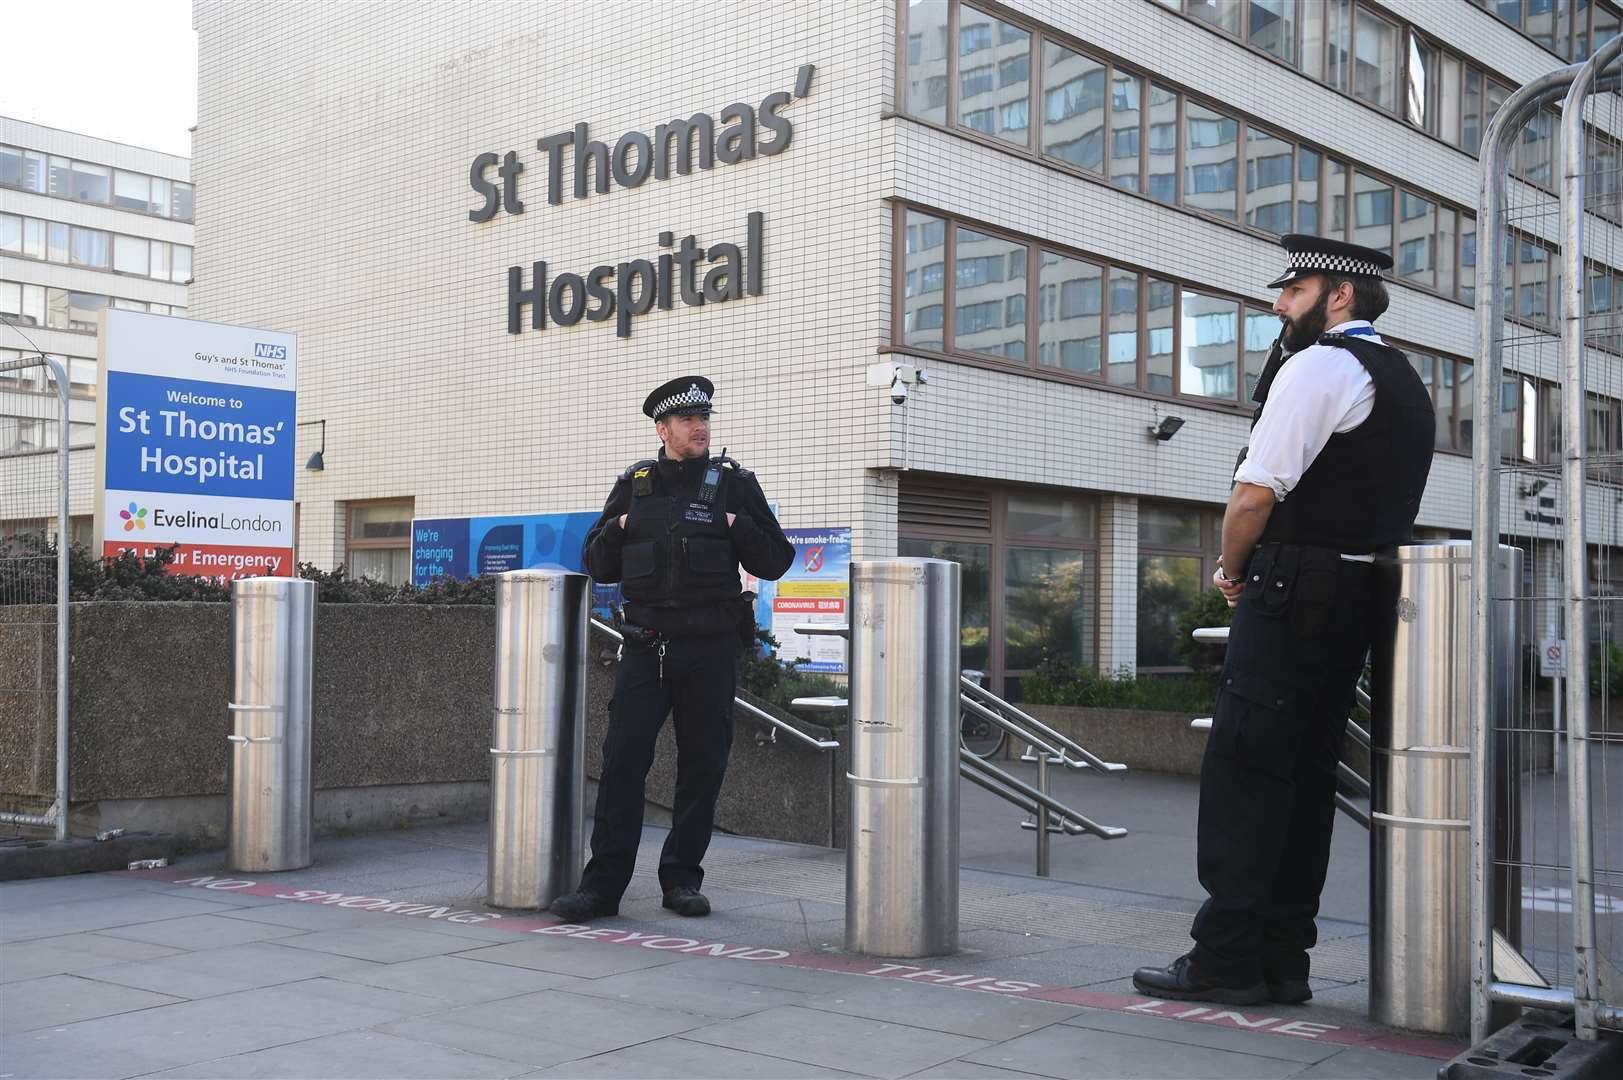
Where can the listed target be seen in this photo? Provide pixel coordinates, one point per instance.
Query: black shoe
(582, 905)
(686, 901)
(1289, 991)
(1180, 982)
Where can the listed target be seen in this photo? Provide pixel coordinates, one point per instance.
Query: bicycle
(977, 734)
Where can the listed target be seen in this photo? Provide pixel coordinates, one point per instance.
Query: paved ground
(193, 974)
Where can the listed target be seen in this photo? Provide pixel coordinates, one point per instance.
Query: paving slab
(354, 1055)
(53, 917)
(969, 1070)
(1357, 1063)
(386, 941)
(586, 959)
(589, 1024)
(981, 1015)
(1072, 1053)
(192, 932)
(65, 999)
(71, 952)
(1208, 1035)
(455, 979)
(226, 970)
(70, 889)
(813, 1037)
(679, 1059)
(705, 990)
(533, 1049)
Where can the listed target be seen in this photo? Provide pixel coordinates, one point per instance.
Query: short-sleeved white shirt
(1320, 391)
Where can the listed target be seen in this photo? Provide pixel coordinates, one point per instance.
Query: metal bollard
(272, 641)
(901, 860)
(537, 730)
(1420, 779)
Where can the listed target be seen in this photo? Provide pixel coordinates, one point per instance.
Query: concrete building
(84, 224)
(1052, 219)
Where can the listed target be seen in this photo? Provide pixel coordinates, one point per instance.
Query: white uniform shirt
(1320, 391)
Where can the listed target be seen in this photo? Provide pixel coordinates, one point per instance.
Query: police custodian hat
(1319, 255)
(680, 397)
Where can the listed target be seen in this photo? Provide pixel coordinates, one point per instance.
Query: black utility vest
(678, 550)
(1362, 492)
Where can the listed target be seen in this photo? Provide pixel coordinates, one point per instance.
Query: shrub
(1209, 609)
(28, 575)
(1058, 682)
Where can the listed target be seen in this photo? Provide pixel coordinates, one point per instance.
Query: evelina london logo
(134, 518)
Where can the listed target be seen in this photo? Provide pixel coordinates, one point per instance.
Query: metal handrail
(976, 773)
(1049, 737)
(759, 714)
(968, 763)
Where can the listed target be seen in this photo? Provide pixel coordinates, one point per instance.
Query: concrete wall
(401, 730)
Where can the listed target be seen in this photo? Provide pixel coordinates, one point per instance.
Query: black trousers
(1268, 779)
(699, 680)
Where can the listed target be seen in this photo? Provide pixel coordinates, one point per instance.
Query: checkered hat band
(691, 396)
(1345, 264)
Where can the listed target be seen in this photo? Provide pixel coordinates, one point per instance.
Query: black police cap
(680, 397)
(1321, 255)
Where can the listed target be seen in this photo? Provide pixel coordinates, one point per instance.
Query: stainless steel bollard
(1420, 765)
(901, 859)
(272, 640)
(537, 730)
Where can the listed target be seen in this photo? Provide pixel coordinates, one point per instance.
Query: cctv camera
(898, 393)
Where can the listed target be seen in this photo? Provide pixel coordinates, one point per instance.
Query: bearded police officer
(1337, 460)
(673, 533)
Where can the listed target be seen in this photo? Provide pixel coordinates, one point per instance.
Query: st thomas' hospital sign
(624, 291)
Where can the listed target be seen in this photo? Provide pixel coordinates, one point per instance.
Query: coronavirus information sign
(196, 436)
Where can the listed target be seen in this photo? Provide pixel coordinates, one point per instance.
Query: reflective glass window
(1443, 385)
(1421, 88)
(1160, 311)
(1417, 228)
(158, 201)
(89, 247)
(981, 291)
(160, 260)
(56, 242)
(1122, 349)
(1211, 143)
(1449, 100)
(1372, 213)
(1168, 585)
(1049, 597)
(1467, 259)
(927, 59)
(975, 593)
(1338, 43)
(1313, 30)
(1335, 190)
(1533, 283)
(1125, 110)
(34, 238)
(1376, 62)
(1471, 115)
(1223, 14)
(986, 102)
(180, 263)
(1307, 191)
(1163, 145)
(180, 201)
(11, 234)
(1261, 328)
(1273, 27)
(132, 191)
(1208, 346)
(1074, 107)
(11, 166)
(1269, 161)
(1464, 405)
(926, 241)
(1070, 314)
(1052, 517)
(1541, 21)
(1446, 250)
(60, 180)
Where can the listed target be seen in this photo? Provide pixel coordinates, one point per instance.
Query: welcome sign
(196, 434)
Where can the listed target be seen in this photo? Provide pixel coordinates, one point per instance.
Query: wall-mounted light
(317, 460)
(1165, 427)
(1527, 491)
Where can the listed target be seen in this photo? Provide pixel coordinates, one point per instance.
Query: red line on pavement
(1186, 1012)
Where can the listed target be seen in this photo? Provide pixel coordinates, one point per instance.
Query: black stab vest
(1362, 492)
(678, 551)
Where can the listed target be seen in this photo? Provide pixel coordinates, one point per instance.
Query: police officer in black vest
(673, 533)
(1331, 478)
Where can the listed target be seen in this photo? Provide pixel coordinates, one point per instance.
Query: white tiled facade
(333, 151)
(28, 481)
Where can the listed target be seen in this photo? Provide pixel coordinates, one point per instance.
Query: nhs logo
(266, 351)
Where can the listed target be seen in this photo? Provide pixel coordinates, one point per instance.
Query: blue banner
(471, 547)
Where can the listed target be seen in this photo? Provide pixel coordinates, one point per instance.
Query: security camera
(898, 393)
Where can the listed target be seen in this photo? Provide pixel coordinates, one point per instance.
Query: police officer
(673, 533)
(1337, 461)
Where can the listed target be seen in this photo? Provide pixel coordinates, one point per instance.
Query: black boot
(1181, 982)
(582, 905)
(1289, 991)
(686, 901)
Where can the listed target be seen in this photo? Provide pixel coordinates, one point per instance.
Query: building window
(378, 544)
(922, 302)
(1030, 570)
(1177, 549)
(1074, 107)
(1211, 150)
(1208, 346)
(1069, 314)
(1269, 162)
(980, 295)
(994, 80)
(1125, 131)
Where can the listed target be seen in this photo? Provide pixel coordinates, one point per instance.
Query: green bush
(777, 683)
(1605, 670)
(28, 575)
(1209, 609)
(1058, 682)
